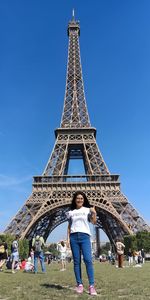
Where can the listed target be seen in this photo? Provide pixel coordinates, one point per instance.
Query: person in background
(32, 255)
(139, 257)
(120, 252)
(3, 254)
(135, 255)
(29, 266)
(63, 254)
(78, 235)
(23, 263)
(100, 258)
(9, 263)
(14, 254)
(49, 259)
(38, 245)
(143, 256)
(130, 257)
(109, 256)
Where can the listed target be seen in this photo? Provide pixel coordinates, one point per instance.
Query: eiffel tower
(52, 192)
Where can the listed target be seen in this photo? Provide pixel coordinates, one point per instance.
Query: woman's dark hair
(85, 203)
(62, 243)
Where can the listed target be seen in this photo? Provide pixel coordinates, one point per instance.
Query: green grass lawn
(111, 283)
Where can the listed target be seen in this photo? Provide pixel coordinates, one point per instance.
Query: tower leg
(98, 249)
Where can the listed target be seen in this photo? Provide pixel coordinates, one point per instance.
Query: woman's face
(79, 201)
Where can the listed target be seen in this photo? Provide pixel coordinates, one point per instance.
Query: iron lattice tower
(52, 192)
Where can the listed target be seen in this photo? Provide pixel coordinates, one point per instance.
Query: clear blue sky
(115, 55)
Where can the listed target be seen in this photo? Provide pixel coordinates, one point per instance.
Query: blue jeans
(41, 257)
(80, 244)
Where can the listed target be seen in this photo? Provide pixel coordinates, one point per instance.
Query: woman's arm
(93, 215)
(6, 249)
(68, 235)
(123, 245)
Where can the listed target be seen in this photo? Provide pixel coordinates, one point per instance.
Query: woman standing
(120, 252)
(63, 252)
(14, 254)
(78, 236)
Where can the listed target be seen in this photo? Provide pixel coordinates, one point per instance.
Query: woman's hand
(92, 209)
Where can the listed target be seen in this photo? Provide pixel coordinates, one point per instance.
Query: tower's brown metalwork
(52, 192)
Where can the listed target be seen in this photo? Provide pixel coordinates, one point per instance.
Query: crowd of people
(78, 239)
(136, 258)
(13, 261)
(133, 258)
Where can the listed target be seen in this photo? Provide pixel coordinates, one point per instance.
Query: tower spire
(73, 15)
(75, 113)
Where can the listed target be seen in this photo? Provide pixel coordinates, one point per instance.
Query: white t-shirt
(28, 266)
(79, 220)
(63, 251)
(120, 248)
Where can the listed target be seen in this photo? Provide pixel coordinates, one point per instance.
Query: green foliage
(8, 238)
(23, 244)
(143, 240)
(105, 248)
(23, 248)
(130, 241)
(53, 249)
(137, 242)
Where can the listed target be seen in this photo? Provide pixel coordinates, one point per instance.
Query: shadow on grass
(8, 272)
(54, 286)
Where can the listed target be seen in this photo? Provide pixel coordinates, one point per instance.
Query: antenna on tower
(73, 14)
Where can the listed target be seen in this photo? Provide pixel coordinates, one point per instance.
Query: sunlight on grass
(111, 283)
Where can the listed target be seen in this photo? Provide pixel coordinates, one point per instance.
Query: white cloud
(8, 181)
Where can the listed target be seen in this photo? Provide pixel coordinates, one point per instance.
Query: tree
(23, 248)
(137, 242)
(53, 249)
(130, 242)
(143, 240)
(23, 244)
(105, 248)
(8, 238)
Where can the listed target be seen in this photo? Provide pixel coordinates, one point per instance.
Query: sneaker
(92, 290)
(79, 289)
(13, 272)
